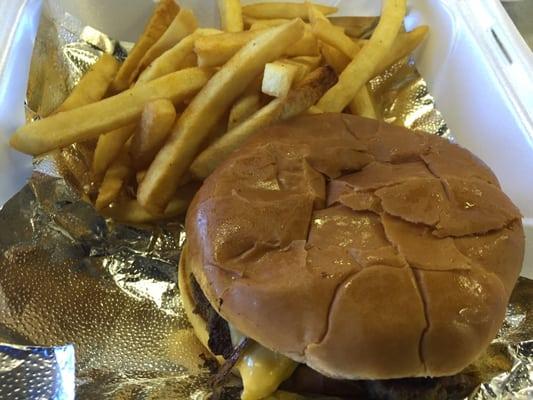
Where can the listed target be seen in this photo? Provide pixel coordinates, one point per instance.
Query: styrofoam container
(477, 65)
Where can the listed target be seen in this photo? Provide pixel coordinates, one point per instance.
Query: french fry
(162, 17)
(174, 159)
(188, 62)
(183, 25)
(113, 181)
(243, 108)
(313, 62)
(109, 146)
(283, 10)
(308, 91)
(356, 27)
(216, 50)
(256, 24)
(130, 211)
(314, 110)
(306, 46)
(299, 100)
(156, 123)
(363, 105)
(90, 121)
(362, 68)
(334, 57)
(93, 85)
(278, 78)
(230, 15)
(215, 154)
(301, 68)
(335, 36)
(174, 58)
(314, 14)
(405, 44)
(139, 176)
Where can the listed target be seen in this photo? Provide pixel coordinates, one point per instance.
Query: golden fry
(356, 27)
(363, 105)
(113, 181)
(216, 50)
(243, 108)
(174, 58)
(156, 123)
(335, 36)
(183, 25)
(162, 17)
(211, 158)
(174, 159)
(308, 92)
(362, 68)
(298, 101)
(283, 10)
(109, 146)
(230, 15)
(93, 85)
(130, 211)
(334, 57)
(405, 44)
(256, 24)
(90, 121)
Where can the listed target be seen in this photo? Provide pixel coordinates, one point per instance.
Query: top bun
(365, 250)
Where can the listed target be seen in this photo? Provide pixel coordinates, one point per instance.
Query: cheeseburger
(330, 252)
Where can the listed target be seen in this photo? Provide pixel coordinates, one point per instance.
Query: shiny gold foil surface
(69, 276)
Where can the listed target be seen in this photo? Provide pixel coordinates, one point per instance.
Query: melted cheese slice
(261, 370)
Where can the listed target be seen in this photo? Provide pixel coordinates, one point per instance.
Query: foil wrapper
(74, 282)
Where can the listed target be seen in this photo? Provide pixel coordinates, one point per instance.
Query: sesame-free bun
(365, 250)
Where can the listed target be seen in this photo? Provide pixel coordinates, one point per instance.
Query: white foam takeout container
(477, 66)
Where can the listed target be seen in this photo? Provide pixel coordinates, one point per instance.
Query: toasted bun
(365, 250)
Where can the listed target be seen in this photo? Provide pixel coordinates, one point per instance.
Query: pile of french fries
(186, 97)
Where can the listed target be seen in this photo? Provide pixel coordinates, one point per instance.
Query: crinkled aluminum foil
(68, 276)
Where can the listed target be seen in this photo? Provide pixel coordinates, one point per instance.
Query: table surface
(521, 12)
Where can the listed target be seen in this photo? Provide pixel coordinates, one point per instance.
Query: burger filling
(263, 371)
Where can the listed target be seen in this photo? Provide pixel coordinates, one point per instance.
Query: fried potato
(362, 68)
(256, 24)
(314, 14)
(278, 78)
(215, 154)
(230, 15)
(113, 181)
(130, 211)
(90, 121)
(109, 146)
(356, 27)
(334, 57)
(283, 10)
(363, 105)
(164, 13)
(174, 58)
(299, 100)
(301, 68)
(174, 159)
(335, 36)
(405, 44)
(243, 108)
(183, 25)
(93, 85)
(314, 110)
(308, 91)
(216, 50)
(306, 46)
(156, 123)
